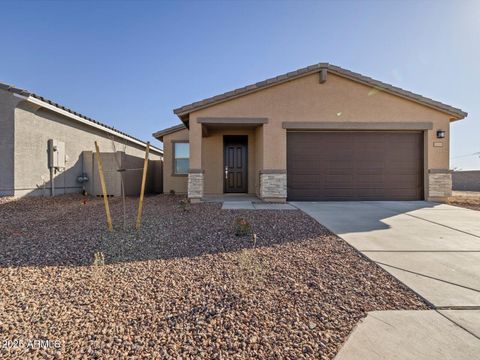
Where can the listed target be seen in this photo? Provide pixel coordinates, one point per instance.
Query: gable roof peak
(183, 111)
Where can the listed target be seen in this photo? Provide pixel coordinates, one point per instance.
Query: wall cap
(439, 171)
(273, 171)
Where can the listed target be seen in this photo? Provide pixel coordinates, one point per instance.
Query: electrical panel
(56, 154)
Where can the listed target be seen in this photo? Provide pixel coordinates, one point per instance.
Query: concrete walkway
(250, 205)
(245, 202)
(432, 248)
(410, 335)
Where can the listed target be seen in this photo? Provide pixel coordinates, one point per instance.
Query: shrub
(242, 227)
(185, 204)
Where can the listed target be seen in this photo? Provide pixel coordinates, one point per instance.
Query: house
(317, 133)
(47, 149)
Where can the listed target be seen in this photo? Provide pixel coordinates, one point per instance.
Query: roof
(27, 94)
(160, 134)
(182, 112)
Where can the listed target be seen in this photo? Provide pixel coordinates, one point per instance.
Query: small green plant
(98, 259)
(185, 205)
(242, 227)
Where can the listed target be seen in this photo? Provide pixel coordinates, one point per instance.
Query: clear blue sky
(129, 64)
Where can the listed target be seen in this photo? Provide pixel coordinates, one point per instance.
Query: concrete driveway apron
(432, 248)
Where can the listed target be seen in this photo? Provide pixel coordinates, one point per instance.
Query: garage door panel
(354, 165)
(402, 180)
(401, 156)
(338, 181)
(341, 156)
(341, 192)
(336, 171)
(335, 168)
(369, 182)
(368, 167)
(310, 185)
(402, 165)
(299, 171)
(362, 154)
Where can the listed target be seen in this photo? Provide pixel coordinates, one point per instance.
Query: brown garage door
(355, 165)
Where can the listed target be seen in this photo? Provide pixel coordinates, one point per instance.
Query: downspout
(52, 182)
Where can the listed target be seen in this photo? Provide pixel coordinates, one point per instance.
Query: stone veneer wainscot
(273, 185)
(195, 184)
(439, 184)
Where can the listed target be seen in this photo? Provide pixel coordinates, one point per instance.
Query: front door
(235, 164)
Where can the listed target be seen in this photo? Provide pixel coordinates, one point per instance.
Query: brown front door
(235, 164)
(355, 165)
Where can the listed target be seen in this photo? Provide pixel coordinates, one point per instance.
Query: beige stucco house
(317, 133)
(48, 149)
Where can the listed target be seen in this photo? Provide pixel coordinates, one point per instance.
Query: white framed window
(181, 155)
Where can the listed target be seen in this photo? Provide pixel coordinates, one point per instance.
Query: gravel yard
(184, 286)
(466, 199)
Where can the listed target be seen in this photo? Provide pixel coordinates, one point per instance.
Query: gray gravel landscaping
(184, 286)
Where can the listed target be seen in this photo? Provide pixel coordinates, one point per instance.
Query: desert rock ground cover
(184, 286)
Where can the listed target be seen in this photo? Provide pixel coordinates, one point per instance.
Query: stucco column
(273, 174)
(195, 173)
(438, 175)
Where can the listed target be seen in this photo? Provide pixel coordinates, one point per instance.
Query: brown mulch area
(184, 286)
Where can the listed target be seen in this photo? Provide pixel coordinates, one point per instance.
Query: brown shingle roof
(27, 93)
(185, 110)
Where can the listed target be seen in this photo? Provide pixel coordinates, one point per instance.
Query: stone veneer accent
(439, 184)
(195, 185)
(273, 186)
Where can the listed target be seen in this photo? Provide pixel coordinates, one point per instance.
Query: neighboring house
(318, 133)
(48, 149)
(468, 180)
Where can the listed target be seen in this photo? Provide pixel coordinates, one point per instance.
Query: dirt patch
(466, 199)
(184, 286)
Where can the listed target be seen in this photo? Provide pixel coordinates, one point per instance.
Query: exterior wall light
(440, 134)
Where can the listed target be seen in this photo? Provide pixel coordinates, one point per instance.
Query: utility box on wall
(56, 154)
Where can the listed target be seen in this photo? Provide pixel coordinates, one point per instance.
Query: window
(181, 152)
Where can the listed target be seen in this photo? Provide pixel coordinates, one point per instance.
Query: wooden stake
(104, 188)
(142, 190)
(122, 182)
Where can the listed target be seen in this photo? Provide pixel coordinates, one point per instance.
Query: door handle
(226, 172)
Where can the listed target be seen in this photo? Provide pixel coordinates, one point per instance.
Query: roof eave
(171, 130)
(43, 104)
(40, 101)
(184, 111)
(456, 113)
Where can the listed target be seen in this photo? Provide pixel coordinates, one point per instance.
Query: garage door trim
(355, 125)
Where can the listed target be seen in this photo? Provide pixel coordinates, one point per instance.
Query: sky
(130, 63)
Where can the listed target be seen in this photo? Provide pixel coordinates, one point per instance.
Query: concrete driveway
(432, 248)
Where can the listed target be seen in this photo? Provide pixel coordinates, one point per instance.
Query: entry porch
(227, 159)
